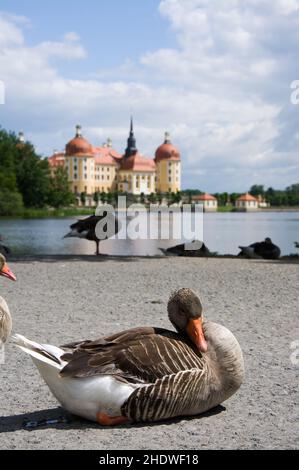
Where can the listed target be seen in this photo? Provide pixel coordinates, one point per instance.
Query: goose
(86, 228)
(5, 317)
(194, 249)
(261, 250)
(145, 374)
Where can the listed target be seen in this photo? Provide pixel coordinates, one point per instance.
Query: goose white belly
(85, 397)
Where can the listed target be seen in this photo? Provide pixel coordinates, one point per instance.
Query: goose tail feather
(42, 352)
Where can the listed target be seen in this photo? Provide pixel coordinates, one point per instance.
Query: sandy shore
(62, 300)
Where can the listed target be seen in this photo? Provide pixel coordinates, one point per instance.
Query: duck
(145, 374)
(5, 316)
(86, 228)
(194, 249)
(261, 250)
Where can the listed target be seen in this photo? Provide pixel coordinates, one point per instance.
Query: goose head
(5, 270)
(185, 313)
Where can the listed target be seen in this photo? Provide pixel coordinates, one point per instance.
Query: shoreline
(85, 212)
(293, 257)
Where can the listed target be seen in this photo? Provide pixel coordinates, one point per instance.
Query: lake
(222, 232)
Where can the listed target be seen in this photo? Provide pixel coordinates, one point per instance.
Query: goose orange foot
(106, 420)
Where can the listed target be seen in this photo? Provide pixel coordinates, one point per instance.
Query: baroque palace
(102, 169)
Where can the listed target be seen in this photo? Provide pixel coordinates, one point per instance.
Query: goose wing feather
(140, 355)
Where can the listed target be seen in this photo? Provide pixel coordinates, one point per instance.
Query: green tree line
(276, 197)
(25, 179)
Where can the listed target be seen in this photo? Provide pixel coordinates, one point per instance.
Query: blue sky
(215, 73)
(112, 31)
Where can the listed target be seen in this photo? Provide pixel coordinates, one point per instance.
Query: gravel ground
(63, 299)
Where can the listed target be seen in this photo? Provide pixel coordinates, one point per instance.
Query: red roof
(167, 151)
(104, 160)
(106, 155)
(204, 197)
(246, 197)
(57, 159)
(137, 163)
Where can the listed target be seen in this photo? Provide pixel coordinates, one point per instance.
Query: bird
(145, 374)
(194, 249)
(4, 250)
(90, 228)
(5, 317)
(261, 250)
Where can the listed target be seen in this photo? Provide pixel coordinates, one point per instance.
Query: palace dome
(167, 151)
(78, 146)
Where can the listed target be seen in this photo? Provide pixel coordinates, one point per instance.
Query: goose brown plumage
(145, 374)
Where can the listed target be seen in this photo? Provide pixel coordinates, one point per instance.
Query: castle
(102, 169)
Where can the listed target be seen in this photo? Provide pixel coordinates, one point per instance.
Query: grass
(31, 213)
(228, 208)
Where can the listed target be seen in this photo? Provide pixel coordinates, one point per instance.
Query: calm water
(222, 232)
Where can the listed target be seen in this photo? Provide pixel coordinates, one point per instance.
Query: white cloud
(223, 92)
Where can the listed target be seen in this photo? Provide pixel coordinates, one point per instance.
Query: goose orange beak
(6, 272)
(195, 333)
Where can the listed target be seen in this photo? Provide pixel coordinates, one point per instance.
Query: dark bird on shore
(4, 250)
(261, 250)
(193, 249)
(89, 229)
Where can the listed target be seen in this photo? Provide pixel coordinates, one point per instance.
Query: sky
(216, 74)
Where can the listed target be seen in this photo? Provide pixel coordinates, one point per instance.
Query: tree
(83, 198)
(159, 197)
(11, 202)
(33, 176)
(103, 197)
(59, 193)
(96, 198)
(257, 189)
(152, 198)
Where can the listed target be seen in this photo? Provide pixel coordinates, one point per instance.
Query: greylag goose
(5, 317)
(86, 228)
(261, 250)
(145, 374)
(195, 249)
